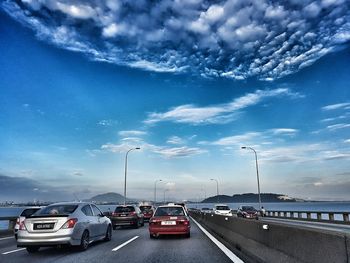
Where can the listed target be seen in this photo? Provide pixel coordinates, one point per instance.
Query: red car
(147, 211)
(169, 220)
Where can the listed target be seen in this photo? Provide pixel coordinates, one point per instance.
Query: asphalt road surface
(128, 245)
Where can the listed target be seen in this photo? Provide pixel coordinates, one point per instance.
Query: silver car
(75, 224)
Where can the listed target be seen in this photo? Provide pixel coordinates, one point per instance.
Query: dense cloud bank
(229, 38)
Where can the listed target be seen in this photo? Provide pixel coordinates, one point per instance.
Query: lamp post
(155, 190)
(217, 189)
(126, 170)
(257, 171)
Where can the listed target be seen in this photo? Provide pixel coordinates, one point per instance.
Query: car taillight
(184, 222)
(132, 213)
(70, 223)
(154, 222)
(22, 226)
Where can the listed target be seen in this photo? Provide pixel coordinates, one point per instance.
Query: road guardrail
(315, 216)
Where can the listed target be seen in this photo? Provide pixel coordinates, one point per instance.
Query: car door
(100, 221)
(91, 221)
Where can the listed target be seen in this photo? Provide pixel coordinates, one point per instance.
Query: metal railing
(11, 222)
(316, 216)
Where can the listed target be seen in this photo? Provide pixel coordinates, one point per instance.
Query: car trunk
(45, 224)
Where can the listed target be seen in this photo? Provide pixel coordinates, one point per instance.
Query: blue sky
(82, 82)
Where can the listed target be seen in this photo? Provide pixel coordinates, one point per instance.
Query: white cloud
(179, 151)
(216, 114)
(175, 140)
(164, 151)
(338, 126)
(132, 133)
(233, 39)
(284, 131)
(336, 106)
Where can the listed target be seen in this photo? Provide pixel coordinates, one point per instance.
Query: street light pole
(126, 170)
(257, 172)
(155, 190)
(217, 189)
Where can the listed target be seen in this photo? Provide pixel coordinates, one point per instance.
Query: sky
(189, 82)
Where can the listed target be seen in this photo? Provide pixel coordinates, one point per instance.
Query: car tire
(32, 249)
(143, 222)
(151, 236)
(108, 236)
(114, 227)
(137, 225)
(188, 235)
(85, 241)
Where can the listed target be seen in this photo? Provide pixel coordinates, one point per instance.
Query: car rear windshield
(29, 211)
(124, 209)
(145, 208)
(169, 211)
(56, 210)
(248, 208)
(222, 208)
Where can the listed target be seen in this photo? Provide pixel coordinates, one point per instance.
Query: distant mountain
(250, 198)
(108, 198)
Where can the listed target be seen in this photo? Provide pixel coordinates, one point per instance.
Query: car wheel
(151, 236)
(143, 222)
(108, 236)
(32, 249)
(137, 225)
(85, 240)
(114, 227)
(188, 235)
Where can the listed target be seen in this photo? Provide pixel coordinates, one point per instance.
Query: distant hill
(250, 198)
(108, 198)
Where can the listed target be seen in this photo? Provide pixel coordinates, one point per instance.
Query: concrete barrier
(279, 243)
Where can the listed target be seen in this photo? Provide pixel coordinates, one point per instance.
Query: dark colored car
(147, 211)
(247, 212)
(127, 215)
(169, 220)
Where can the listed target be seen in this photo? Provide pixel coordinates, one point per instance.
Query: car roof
(221, 205)
(171, 206)
(72, 203)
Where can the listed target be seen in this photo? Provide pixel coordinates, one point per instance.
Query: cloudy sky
(189, 82)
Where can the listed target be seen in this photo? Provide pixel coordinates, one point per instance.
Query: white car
(222, 210)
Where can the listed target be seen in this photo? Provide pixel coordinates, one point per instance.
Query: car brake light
(132, 213)
(22, 226)
(70, 223)
(17, 221)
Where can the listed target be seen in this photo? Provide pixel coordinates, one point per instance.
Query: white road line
(223, 248)
(13, 251)
(125, 243)
(3, 238)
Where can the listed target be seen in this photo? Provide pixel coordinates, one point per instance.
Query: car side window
(96, 210)
(87, 210)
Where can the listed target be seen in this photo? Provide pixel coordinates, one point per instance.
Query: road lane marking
(13, 251)
(125, 243)
(223, 248)
(3, 238)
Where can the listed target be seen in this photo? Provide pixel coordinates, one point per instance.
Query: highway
(341, 228)
(128, 245)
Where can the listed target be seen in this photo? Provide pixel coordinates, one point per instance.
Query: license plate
(44, 226)
(168, 223)
(122, 215)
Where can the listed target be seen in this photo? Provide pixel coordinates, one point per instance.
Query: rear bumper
(63, 237)
(166, 230)
(124, 221)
